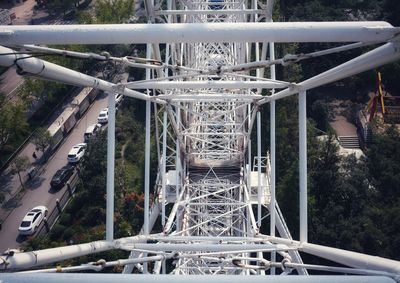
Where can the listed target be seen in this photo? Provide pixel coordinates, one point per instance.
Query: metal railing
(61, 203)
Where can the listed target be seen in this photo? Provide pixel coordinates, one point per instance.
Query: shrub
(94, 216)
(57, 231)
(65, 219)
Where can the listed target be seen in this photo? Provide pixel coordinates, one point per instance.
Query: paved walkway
(10, 184)
(340, 123)
(343, 127)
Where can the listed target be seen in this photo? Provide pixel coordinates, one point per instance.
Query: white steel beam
(303, 165)
(208, 84)
(272, 207)
(259, 187)
(41, 257)
(192, 33)
(141, 278)
(353, 259)
(147, 170)
(208, 12)
(200, 247)
(146, 223)
(110, 167)
(349, 258)
(210, 97)
(164, 164)
(147, 155)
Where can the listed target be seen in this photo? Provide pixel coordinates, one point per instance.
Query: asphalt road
(9, 82)
(41, 193)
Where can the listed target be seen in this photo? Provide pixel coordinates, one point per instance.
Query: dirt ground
(340, 123)
(23, 10)
(343, 127)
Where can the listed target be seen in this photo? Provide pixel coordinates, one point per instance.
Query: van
(91, 131)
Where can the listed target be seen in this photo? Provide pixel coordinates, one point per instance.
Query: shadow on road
(36, 183)
(13, 202)
(5, 181)
(101, 95)
(54, 190)
(21, 239)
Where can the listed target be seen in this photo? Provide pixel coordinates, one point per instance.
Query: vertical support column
(164, 164)
(146, 223)
(110, 167)
(249, 165)
(147, 154)
(303, 165)
(259, 189)
(272, 184)
(273, 171)
(178, 168)
(248, 139)
(147, 170)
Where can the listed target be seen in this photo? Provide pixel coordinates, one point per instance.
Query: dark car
(61, 177)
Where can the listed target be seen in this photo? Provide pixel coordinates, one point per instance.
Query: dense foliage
(353, 204)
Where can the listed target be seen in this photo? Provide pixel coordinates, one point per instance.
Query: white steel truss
(206, 94)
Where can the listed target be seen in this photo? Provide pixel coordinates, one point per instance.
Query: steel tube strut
(191, 33)
(110, 167)
(259, 188)
(41, 257)
(380, 56)
(349, 258)
(303, 165)
(47, 70)
(208, 84)
(139, 278)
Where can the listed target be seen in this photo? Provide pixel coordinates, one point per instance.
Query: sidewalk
(10, 184)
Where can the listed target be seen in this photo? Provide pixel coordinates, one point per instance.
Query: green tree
(84, 17)
(384, 166)
(391, 12)
(18, 165)
(42, 139)
(93, 170)
(113, 11)
(13, 122)
(321, 114)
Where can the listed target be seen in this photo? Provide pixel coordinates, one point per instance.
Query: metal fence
(61, 203)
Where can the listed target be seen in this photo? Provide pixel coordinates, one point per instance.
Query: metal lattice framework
(206, 92)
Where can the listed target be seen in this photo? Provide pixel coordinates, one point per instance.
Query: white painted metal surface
(71, 278)
(209, 94)
(303, 165)
(192, 32)
(110, 167)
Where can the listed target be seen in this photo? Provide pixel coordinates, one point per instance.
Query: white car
(103, 116)
(77, 152)
(91, 131)
(32, 220)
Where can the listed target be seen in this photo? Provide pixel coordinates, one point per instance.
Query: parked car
(103, 116)
(118, 99)
(76, 153)
(91, 131)
(32, 220)
(61, 177)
